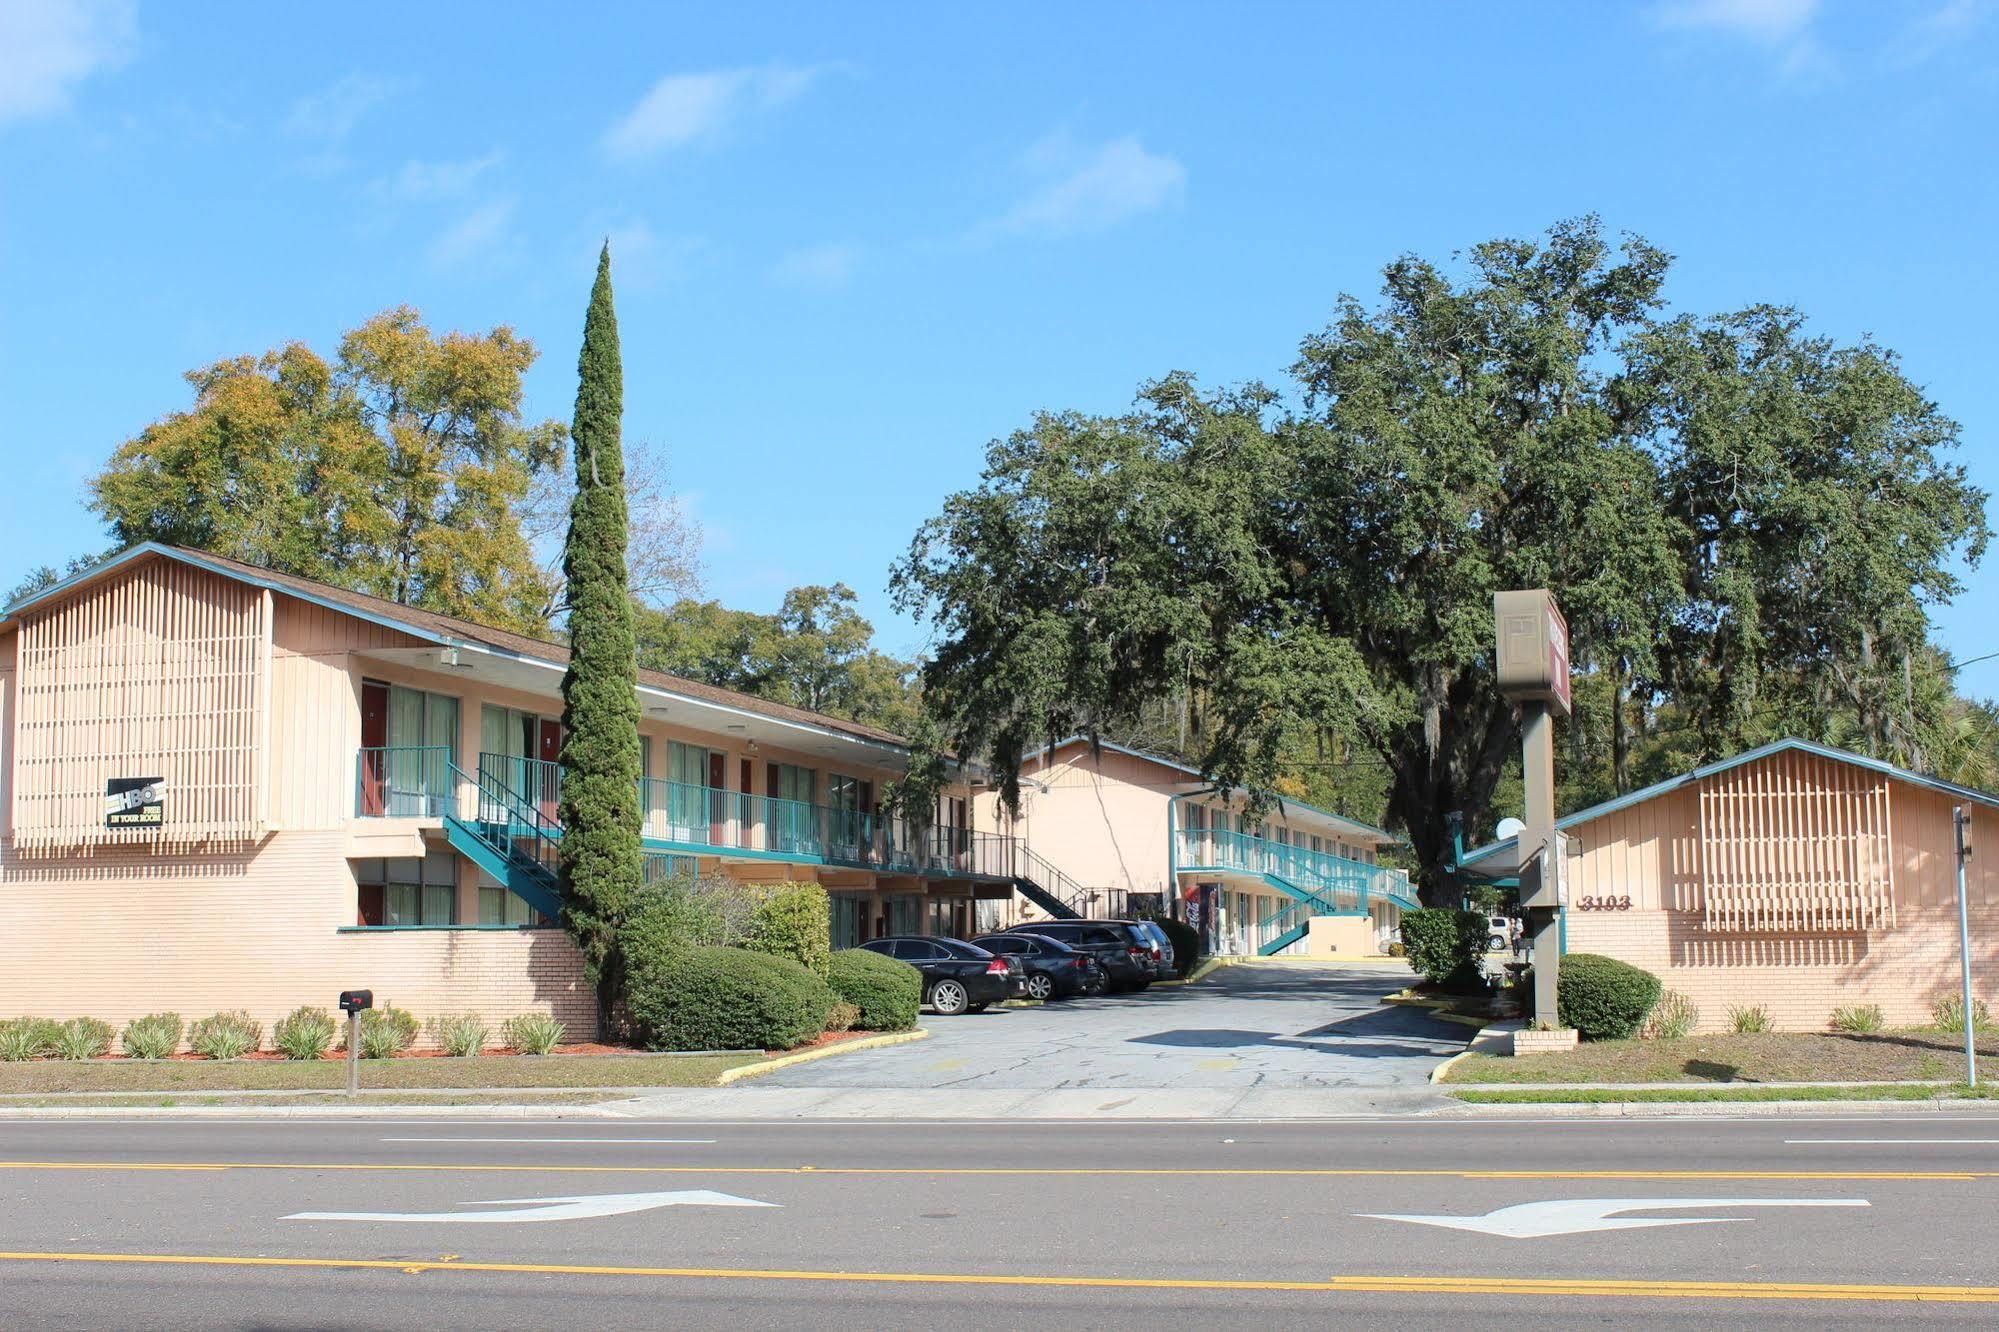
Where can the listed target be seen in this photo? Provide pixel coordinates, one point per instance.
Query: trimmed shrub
(531, 1033)
(1749, 1021)
(1602, 998)
(27, 1038)
(459, 1034)
(225, 1035)
(385, 1032)
(1446, 946)
(303, 1033)
(1186, 943)
(702, 998)
(1859, 1019)
(1673, 1017)
(843, 1017)
(794, 921)
(887, 992)
(83, 1038)
(154, 1036)
(1948, 1014)
(1395, 949)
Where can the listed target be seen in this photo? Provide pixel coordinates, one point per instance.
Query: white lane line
(691, 1142)
(1891, 1142)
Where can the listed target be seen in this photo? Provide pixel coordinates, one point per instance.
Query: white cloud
(50, 46)
(1093, 189)
(640, 256)
(1764, 20)
(331, 113)
(415, 182)
(682, 109)
(479, 233)
(824, 266)
(1937, 31)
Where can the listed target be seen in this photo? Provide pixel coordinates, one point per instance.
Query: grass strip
(169, 1076)
(1622, 1095)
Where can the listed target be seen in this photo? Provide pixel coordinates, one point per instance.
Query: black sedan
(1123, 953)
(957, 977)
(1054, 969)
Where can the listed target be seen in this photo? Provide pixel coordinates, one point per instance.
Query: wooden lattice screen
(1796, 842)
(158, 673)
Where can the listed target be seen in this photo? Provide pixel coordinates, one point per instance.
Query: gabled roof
(1583, 816)
(1176, 766)
(443, 630)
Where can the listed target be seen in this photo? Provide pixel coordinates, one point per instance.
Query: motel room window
(411, 737)
(847, 919)
(497, 906)
(408, 890)
(791, 826)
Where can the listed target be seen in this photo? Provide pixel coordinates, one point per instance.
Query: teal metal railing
(513, 828)
(403, 782)
(1344, 884)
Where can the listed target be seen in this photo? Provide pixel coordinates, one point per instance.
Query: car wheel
(949, 998)
(1142, 986)
(1041, 986)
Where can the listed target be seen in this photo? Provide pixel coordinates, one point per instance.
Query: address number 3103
(1604, 904)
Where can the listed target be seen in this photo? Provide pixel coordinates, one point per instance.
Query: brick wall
(1801, 978)
(124, 931)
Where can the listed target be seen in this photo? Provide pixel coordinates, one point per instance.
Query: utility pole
(1961, 825)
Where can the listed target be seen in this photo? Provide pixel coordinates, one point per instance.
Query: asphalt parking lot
(1265, 1026)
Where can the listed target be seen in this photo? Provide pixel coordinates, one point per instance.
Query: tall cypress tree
(600, 856)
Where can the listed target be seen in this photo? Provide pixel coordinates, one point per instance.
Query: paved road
(184, 1224)
(1268, 1026)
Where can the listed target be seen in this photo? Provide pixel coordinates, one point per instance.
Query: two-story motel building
(1111, 830)
(347, 792)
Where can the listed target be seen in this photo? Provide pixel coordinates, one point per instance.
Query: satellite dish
(1510, 828)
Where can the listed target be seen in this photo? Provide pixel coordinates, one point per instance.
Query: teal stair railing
(510, 838)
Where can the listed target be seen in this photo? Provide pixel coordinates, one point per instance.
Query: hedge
(707, 998)
(1602, 998)
(1186, 942)
(886, 991)
(793, 921)
(1444, 944)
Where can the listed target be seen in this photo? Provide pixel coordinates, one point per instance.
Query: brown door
(718, 808)
(548, 748)
(374, 736)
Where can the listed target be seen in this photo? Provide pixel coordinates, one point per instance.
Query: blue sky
(854, 243)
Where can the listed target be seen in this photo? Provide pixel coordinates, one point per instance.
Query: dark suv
(957, 977)
(1120, 947)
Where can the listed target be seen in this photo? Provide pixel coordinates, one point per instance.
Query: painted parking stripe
(1429, 1285)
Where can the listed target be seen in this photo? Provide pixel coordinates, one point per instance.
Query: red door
(374, 737)
(718, 812)
(548, 748)
(746, 807)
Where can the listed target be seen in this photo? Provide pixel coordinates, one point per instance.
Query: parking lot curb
(732, 1075)
(1207, 965)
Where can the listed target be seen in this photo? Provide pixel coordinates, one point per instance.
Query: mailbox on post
(352, 1003)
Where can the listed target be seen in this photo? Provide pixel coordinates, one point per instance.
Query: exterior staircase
(1035, 879)
(510, 839)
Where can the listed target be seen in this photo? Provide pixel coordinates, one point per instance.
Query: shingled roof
(432, 625)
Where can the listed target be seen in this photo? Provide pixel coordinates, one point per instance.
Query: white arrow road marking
(551, 1209)
(1577, 1216)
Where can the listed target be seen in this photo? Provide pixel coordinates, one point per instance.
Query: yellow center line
(569, 1168)
(1400, 1285)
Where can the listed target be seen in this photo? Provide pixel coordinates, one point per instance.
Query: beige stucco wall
(1101, 820)
(1339, 936)
(1651, 853)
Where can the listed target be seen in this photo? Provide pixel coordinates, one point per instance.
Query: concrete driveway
(1251, 1027)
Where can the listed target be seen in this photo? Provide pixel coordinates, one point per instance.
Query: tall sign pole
(1960, 819)
(1533, 668)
